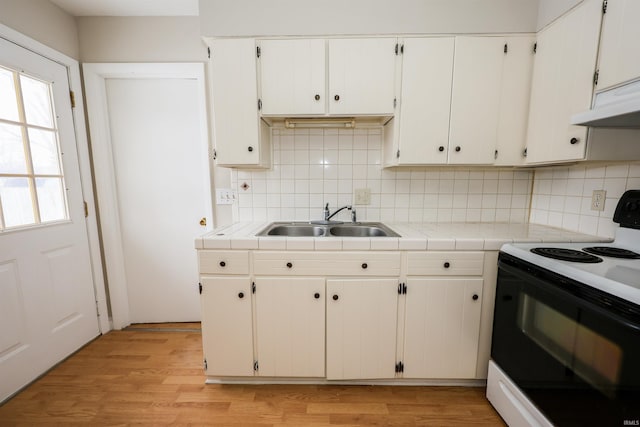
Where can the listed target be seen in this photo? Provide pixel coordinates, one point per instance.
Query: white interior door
(150, 146)
(47, 298)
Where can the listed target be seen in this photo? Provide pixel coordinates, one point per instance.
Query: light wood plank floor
(152, 374)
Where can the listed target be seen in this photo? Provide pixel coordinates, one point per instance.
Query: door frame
(95, 76)
(84, 162)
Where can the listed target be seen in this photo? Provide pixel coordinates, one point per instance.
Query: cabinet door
(442, 327)
(514, 100)
(238, 131)
(563, 85)
(290, 326)
(227, 337)
(361, 328)
(292, 76)
(362, 76)
(475, 100)
(619, 47)
(427, 71)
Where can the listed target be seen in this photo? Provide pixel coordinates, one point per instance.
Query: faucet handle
(353, 215)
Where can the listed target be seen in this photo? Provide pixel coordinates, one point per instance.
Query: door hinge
(404, 289)
(200, 288)
(209, 52)
(398, 154)
(495, 155)
(255, 365)
(595, 77)
(399, 367)
(535, 47)
(258, 52)
(524, 152)
(97, 309)
(86, 209)
(205, 364)
(72, 97)
(506, 48)
(605, 3)
(253, 287)
(395, 102)
(215, 154)
(397, 48)
(401, 49)
(259, 104)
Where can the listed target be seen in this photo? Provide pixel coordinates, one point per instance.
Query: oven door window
(591, 356)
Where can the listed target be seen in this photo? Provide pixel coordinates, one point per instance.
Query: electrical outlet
(597, 200)
(362, 196)
(225, 196)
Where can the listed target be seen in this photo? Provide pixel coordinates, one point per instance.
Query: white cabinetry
(442, 314)
(361, 328)
(462, 101)
(290, 325)
(241, 138)
(619, 60)
(563, 84)
(360, 75)
(227, 337)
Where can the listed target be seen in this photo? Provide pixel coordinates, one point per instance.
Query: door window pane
(12, 157)
(37, 102)
(44, 152)
(17, 207)
(50, 199)
(8, 104)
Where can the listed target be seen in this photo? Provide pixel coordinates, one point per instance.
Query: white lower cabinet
(290, 319)
(361, 328)
(227, 327)
(442, 323)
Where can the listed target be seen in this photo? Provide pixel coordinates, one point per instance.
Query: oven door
(573, 350)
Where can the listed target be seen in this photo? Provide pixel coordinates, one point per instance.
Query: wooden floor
(152, 374)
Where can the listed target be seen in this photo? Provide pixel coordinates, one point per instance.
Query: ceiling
(129, 7)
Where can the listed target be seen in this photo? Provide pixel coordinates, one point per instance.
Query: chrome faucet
(328, 215)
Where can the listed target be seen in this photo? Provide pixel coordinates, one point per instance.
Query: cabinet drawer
(445, 263)
(327, 263)
(223, 262)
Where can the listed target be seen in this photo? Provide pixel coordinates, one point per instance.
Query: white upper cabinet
(562, 85)
(619, 45)
(360, 75)
(427, 74)
(293, 76)
(240, 137)
(475, 99)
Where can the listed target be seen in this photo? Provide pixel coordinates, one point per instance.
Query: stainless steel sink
(301, 229)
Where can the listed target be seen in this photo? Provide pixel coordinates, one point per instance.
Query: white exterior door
(153, 181)
(47, 298)
(290, 326)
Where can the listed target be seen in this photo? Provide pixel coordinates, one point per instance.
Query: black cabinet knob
(447, 265)
(335, 297)
(337, 97)
(316, 295)
(574, 141)
(222, 263)
(317, 97)
(289, 265)
(241, 295)
(458, 148)
(364, 265)
(250, 148)
(441, 148)
(475, 297)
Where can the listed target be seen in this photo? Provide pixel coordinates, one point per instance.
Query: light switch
(225, 196)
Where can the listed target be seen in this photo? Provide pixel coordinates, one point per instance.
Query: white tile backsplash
(562, 195)
(318, 166)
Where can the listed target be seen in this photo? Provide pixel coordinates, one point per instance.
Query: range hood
(615, 108)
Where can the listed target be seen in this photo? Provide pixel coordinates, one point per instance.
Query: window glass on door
(32, 187)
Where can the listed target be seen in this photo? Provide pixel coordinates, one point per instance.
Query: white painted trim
(75, 84)
(95, 76)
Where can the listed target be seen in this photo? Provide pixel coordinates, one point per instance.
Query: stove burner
(566, 255)
(612, 252)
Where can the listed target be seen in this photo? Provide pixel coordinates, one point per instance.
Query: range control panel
(628, 210)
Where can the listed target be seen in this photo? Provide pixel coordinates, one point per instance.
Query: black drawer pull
(475, 297)
(222, 263)
(335, 297)
(289, 265)
(241, 295)
(447, 265)
(316, 295)
(364, 265)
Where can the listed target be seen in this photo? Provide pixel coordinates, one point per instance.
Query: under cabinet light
(329, 122)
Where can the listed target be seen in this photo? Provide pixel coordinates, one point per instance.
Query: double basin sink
(308, 229)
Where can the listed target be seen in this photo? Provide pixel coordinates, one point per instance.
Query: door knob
(203, 221)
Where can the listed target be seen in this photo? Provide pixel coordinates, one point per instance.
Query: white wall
(549, 10)
(42, 21)
(220, 18)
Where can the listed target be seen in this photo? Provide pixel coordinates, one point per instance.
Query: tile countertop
(414, 236)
